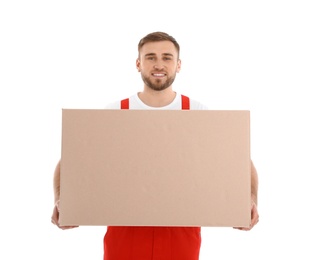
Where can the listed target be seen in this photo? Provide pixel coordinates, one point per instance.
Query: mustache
(161, 70)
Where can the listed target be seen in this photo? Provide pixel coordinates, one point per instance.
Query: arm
(254, 191)
(56, 189)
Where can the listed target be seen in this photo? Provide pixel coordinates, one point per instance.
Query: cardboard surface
(157, 168)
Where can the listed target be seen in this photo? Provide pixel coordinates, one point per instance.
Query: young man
(158, 63)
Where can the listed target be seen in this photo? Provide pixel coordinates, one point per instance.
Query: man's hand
(254, 217)
(55, 217)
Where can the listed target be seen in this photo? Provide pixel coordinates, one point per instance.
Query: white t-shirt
(136, 103)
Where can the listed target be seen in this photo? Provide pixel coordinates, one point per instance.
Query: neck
(154, 98)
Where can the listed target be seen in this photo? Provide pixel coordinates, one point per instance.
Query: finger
(67, 227)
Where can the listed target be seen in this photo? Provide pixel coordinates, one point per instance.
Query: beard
(158, 84)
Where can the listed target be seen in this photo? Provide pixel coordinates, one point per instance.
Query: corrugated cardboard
(158, 168)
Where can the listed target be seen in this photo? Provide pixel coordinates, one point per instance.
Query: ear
(179, 65)
(138, 64)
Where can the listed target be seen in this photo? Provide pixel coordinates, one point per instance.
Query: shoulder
(195, 104)
(113, 105)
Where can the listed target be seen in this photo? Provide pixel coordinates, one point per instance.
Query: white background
(255, 55)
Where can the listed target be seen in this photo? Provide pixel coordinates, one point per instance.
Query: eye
(166, 58)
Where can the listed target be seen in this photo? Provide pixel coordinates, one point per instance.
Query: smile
(158, 74)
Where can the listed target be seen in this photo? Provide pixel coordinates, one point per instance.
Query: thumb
(57, 205)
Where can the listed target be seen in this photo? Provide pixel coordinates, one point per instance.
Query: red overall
(152, 243)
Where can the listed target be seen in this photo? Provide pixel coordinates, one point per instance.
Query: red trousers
(152, 243)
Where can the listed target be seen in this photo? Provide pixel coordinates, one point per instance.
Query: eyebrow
(154, 54)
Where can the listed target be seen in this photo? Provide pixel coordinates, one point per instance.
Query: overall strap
(124, 104)
(185, 103)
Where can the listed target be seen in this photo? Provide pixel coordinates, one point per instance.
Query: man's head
(158, 60)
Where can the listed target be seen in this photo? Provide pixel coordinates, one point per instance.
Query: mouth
(158, 75)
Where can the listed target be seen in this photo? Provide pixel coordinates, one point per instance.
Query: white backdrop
(255, 55)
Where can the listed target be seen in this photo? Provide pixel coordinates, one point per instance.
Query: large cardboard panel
(155, 168)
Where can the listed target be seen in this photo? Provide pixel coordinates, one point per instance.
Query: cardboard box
(155, 168)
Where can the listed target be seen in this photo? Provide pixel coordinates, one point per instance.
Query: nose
(158, 66)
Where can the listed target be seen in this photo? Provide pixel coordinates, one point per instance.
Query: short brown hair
(157, 37)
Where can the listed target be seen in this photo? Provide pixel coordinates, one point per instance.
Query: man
(158, 62)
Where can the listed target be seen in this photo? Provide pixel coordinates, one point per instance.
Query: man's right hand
(55, 217)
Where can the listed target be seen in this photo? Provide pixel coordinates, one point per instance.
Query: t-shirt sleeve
(195, 105)
(113, 105)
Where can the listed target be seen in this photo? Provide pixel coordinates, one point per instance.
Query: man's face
(158, 64)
